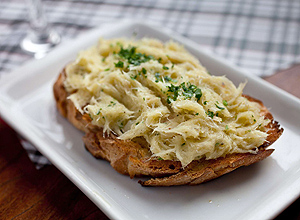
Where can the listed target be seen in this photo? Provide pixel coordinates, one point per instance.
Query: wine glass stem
(37, 19)
(41, 38)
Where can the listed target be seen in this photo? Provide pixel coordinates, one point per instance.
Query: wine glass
(41, 38)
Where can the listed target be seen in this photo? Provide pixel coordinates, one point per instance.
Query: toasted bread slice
(131, 157)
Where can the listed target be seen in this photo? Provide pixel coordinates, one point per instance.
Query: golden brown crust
(204, 170)
(131, 158)
(66, 107)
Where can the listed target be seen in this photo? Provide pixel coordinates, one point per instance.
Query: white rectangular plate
(259, 191)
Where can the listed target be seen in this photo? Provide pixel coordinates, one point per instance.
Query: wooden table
(27, 193)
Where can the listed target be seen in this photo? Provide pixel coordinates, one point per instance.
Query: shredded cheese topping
(160, 92)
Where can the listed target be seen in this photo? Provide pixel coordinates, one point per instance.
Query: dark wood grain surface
(27, 193)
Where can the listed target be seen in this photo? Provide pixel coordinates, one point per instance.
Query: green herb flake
(175, 92)
(157, 77)
(119, 64)
(183, 144)
(132, 57)
(198, 94)
(165, 67)
(226, 127)
(107, 69)
(210, 114)
(184, 89)
(225, 103)
(219, 107)
(99, 111)
(133, 77)
(169, 79)
(111, 104)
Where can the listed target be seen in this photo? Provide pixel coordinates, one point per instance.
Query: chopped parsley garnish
(184, 89)
(174, 90)
(226, 127)
(119, 64)
(165, 67)
(219, 107)
(168, 78)
(218, 144)
(111, 104)
(107, 69)
(132, 57)
(133, 77)
(189, 90)
(198, 94)
(210, 113)
(205, 102)
(127, 53)
(144, 71)
(159, 78)
(225, 103)
(183, 144)
(99, 111)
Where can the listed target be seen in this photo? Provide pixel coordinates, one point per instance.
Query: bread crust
(132, 158)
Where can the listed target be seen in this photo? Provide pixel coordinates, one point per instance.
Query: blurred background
(259, 36)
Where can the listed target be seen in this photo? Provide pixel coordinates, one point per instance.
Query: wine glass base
(40, 44)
